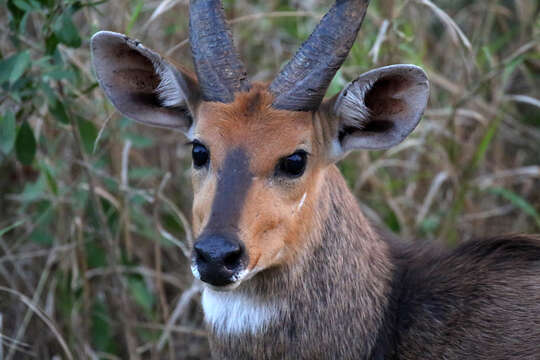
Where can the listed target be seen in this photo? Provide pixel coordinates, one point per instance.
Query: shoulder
(431, 260)
(513, 249)
(481, 298)
(507, 243)
(498, 266)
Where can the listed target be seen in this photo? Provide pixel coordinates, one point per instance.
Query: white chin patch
(230, 312)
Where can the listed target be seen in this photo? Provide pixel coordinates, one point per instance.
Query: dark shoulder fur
(479, 301)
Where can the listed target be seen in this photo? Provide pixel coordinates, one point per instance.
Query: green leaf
(95, 255)
(337, 84)
(20, 66)
(517, 201)
(51, 42)
(141, 294)
(11, 227)
(430, 224)
(25, 144)
(58, 110)
(8, 131)
(12, 68)
(47, 3)
(51, 181)
(101, 332)
(60, 74)
(33, 191)
(144, 172)
(486, 141)
(88, 133)
(16, 13)
(139, 141)
(65, 296)
(26, 6)
(134, 15)
(66, 32)
(391, 220)
(41, 236)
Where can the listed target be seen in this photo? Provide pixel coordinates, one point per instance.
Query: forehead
(253, 125)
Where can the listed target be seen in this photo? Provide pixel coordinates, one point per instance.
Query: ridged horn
(218, 66)
(302, 83)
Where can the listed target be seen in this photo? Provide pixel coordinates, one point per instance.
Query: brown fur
(480, 301)
(313, 295)
(341, 290)
(270, 224)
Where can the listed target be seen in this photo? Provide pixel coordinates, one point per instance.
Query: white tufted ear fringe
(379, 109)
(141, 84)
(350, 106)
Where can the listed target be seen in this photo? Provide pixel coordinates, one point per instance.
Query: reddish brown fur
(270, 225)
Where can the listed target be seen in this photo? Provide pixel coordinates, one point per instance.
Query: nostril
(232, 258)
(218, 254)
(200, 254)
(218, 258)
(201, 258)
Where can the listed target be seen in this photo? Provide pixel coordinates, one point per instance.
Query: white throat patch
(233, 313)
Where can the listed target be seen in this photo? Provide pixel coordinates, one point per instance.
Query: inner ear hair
(350, 107)
(174, 90)
(169, 92)
(379, 109)
(366, 105)
(143, 85)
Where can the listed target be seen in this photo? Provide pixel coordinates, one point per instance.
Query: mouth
(232, 282)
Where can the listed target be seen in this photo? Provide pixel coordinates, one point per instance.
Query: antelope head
(260, 152)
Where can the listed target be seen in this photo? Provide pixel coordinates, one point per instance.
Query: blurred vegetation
(93, 207)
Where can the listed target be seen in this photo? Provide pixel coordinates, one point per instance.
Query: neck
(334, 295)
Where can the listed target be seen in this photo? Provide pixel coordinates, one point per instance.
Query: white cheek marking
(235, 313)
(336, 150)
(301, 203)
(195, 272)
(252, 273)
(191, 133)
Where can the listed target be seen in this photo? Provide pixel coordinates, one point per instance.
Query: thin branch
(125, 209)
(33, 308)
(179, 310)
(252, 17)
(185, 223)
(381, 36)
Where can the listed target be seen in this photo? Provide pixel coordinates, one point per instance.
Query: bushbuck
(291, 267)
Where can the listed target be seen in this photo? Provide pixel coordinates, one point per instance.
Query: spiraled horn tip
(219, 69)
(301, 88)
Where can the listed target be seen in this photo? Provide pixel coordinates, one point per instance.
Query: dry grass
(93, 230)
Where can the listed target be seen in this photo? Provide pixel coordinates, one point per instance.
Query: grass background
(94, 209)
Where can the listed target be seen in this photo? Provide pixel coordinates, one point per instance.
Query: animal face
(259, 151)
(255, 173)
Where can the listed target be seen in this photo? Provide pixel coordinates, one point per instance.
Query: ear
(378, 109)
(141, 84)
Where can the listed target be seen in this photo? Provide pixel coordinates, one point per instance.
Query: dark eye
(200, 155)
(293, 165)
